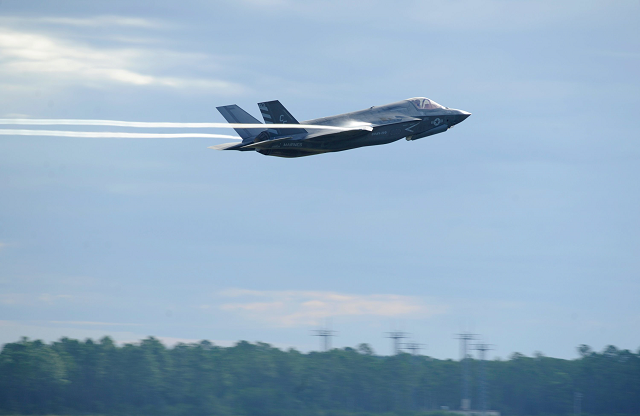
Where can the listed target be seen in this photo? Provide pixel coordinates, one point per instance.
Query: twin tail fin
(235, 114)
(273, 112)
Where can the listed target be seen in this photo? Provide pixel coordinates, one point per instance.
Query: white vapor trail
(145, 124)
(117, 135)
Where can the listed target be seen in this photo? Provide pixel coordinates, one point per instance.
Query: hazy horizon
(520, 224)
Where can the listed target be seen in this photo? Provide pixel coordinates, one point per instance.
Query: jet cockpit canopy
(422, 103)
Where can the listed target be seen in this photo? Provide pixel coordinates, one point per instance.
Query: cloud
(308, 308)
(267, 3)
(31, 299)
(103, 21)
(11, 299)
(92, 323)
(45, 56)
(16, 115)
(503, 15)
(49, 298)
(92, 22)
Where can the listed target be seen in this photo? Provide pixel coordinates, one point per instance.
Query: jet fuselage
(413, 119)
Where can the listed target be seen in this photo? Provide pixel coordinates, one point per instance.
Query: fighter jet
(413, 119)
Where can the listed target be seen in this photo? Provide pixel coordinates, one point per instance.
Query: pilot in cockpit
(425, 104)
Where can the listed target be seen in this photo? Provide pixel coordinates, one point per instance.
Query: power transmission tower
(325, 334)
(414, 347)
(397, 336)
(465, 337)
(482, 349)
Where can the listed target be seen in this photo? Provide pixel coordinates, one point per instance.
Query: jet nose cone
(460, 116)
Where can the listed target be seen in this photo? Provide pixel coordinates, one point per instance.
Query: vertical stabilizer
(235, 114)
(274, 113)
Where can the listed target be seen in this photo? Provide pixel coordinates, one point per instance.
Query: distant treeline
(87, 377)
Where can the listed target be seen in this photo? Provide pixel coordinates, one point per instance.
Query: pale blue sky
(520, 224)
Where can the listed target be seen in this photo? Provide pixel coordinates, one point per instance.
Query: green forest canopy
(88, 377)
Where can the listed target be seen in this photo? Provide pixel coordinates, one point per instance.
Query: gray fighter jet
(414, 119)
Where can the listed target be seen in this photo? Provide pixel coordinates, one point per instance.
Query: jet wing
(334, 136)
(324, 136)
(266, 143)
(314, 137)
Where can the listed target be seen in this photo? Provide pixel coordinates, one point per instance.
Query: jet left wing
(265, 144)
(339, 135)
(313, 137)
